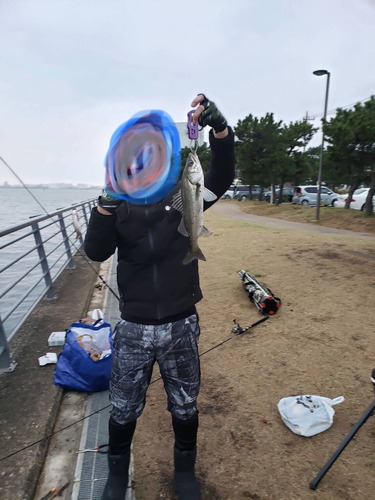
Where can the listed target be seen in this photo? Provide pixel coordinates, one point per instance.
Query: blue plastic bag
(75, 369)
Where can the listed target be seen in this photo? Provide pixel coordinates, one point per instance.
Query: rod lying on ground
(236, 331)
(262, 297)
(368, 413)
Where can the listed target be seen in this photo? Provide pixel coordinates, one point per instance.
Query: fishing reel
(237, 328)
(263, 298)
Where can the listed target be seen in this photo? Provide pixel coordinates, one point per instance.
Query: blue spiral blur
(144, 158)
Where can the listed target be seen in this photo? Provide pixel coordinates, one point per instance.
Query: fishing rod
(344, 443)
(56, 222)
(237, 330)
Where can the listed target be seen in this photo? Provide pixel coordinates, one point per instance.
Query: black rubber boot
(117, 482)
(120, 438)
(187, 485)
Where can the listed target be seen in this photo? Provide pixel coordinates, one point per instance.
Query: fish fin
(182, 228)
(177, 202)
(205, 232)
(208, 195)
(192, 255)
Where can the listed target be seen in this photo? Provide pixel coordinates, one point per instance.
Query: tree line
(270, 153)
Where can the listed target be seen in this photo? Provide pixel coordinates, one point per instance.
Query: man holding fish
(158, 282)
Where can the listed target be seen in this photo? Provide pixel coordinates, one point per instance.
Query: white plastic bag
(97, 314)
(308, 415)
(93, 337)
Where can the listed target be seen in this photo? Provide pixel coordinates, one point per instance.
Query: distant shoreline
(49, 187)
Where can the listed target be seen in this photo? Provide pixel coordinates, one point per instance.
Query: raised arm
(101, 241)
(221, 174)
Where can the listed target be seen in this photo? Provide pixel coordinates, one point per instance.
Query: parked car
(255, 190)
(242, 193)
(229, 193)
(358, 199)
(307, 195)
(287, 193)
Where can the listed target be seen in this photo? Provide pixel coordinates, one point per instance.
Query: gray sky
(72, 71)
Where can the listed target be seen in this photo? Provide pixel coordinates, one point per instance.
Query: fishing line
(56, 222)
(237, 331)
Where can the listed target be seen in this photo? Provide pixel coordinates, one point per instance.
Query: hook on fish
(193, 146)
(193, 131)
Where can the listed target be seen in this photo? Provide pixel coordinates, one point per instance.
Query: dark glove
(108, 203)
(211, 116)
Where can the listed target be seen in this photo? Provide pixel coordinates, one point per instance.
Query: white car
(229, 193)
(358, 199)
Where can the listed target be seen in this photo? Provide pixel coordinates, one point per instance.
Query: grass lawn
(320, 342)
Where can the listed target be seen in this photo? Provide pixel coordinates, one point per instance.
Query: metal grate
(92, 469)
(94, 465)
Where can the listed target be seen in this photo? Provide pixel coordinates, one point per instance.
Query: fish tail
(192, 255)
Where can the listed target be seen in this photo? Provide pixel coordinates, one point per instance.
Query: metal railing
(33, 255)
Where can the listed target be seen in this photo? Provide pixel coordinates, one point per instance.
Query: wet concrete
(61, 458)
(29, 399)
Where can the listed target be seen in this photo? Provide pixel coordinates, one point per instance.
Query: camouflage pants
(136, 348)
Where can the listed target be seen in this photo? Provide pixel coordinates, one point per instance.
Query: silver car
(241, 192)
(307, 195)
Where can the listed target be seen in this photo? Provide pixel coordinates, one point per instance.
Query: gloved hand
(107, 203)
(208, 114)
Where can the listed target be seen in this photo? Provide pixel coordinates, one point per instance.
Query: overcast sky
(72, 71)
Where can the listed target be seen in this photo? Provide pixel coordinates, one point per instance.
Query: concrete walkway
(82, 476)
(29, 399)
(233, 211)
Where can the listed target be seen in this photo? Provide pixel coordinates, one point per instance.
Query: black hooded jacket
(155, 287)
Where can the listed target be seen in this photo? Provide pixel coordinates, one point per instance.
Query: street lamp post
(321, 72)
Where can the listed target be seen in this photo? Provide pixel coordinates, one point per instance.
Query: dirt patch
(328, 255)
(320, 342)
(338, 218)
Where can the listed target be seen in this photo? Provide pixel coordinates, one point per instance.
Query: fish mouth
(192, 159)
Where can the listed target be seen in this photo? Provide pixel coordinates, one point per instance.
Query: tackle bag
(308, 415)
(85, 362)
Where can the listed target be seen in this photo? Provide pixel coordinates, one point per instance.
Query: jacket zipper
(154, 270)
